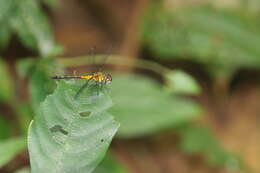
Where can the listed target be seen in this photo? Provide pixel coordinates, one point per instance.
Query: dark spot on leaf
(102, 140)
(85, 114)
(58, 128)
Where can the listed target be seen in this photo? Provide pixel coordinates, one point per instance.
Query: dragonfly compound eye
(108, 78)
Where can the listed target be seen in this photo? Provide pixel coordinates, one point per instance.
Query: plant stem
(116, 60)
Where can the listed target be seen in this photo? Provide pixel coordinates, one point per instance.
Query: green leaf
(5, 8)
(6, 87)
(40, 82)
(217, 38)
(9, 148)
(39, 73)
(181, 83)
(5, 35)
(4, 128)
(68, 134)
(25, 67)
(40, 86)
(20, 28)
(196, 140)
(24, 114)
(32, 26)
(110, 165)
(142, 107)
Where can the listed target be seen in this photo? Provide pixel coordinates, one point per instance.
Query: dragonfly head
(108, 78)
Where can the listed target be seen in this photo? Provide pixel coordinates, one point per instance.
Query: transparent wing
(106, 56)
(93, 61)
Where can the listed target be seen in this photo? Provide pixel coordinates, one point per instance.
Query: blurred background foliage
(161, 95)
(223, 40)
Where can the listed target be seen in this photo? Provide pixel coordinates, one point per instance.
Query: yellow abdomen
(96, 77)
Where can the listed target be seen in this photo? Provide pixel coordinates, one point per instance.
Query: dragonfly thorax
(101, 77)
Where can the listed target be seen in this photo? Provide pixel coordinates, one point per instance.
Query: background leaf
(31, 26)
(40, 86)
(110, 165)
(143, 107)
(24, 114)
(9, 148)
(68, 134)
(4, 128)
(34, 24)
(5, 8)
(40, 82)
(196, 140)
(6, 85)
(223, 40)
(5, 35)
(25, 67)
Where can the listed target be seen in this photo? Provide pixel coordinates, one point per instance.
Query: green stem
(116, 60)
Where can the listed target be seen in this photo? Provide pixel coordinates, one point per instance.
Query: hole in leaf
(58, 128)
(85, 114)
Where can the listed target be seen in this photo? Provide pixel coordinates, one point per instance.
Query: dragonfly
(98, 77)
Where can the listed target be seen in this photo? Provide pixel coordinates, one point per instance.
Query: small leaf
(110, 165)
(9, 148)
(181, 83)
(143, 107)
(61, 140)
(6, 87)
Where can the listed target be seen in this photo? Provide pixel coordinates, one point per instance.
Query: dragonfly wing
(93, 63)
(105, 58)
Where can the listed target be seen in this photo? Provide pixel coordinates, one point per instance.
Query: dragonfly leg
(100, 86)
(103, 83)
(82, 88)
(97, 88)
